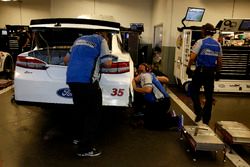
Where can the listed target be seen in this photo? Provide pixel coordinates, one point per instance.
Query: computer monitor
(245, 25)
(194, 14)
(4, 32)
(137, 27)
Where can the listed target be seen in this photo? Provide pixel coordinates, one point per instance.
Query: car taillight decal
(116, 68)
(30, 62)
(64, 92)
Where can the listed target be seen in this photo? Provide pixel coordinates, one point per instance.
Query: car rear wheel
(186, 87)
(8, 68)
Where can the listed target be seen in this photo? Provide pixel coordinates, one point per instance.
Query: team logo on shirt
(209, 52)
(84, 42)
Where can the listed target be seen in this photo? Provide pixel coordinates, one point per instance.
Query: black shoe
(76, 141)
(92, 153)
(205, 122)
(198, 118)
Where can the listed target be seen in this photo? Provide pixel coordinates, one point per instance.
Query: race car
(6, 65)
(40, 74)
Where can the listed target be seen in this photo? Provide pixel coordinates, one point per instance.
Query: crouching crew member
(156, 100)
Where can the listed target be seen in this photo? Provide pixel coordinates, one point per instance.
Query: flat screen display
(245, 25)
(137, 26)
(194, 14)
(4, 32)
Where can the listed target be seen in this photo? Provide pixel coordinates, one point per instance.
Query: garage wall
(171, 12)
(125, 12)
(20, 13)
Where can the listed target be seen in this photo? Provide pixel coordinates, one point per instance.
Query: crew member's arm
(218, 65)
(66, 58)
(194, 52)
(106, 61)
(219, 60)
(163, 79)
(192, 59)
(146, 88)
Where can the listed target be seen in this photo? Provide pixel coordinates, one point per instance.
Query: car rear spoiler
(66, 22)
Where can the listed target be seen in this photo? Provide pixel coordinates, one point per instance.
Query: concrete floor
(23, 127)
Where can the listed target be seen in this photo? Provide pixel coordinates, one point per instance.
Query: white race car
(40, 74)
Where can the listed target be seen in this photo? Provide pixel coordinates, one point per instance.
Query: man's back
(83, 57)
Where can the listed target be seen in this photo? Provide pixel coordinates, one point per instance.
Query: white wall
(215, 11)
(123, 11)
(150, 12)
(20, 13)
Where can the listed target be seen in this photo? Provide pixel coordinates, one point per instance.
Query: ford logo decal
(64, 92)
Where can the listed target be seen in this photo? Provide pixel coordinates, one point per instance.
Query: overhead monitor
(4, 32)
(137, 27)
(194, 14)
(245, 25)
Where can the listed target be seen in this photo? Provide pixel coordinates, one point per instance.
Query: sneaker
(198, 118)
(180, 122)
(139, 114)
(92, 153)
(172, 113)
(76, 141)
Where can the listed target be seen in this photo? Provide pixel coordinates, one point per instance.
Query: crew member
(207, 55)
(84, 60)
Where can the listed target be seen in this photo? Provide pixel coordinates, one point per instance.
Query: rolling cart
(233, 132)
(202, 138)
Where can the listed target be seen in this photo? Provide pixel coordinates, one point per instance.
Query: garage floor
(23, 128)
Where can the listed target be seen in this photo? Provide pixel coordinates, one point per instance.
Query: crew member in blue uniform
(84, 60)
(206, 54)
(156, 100)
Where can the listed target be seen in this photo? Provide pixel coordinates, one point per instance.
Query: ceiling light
(10, 0)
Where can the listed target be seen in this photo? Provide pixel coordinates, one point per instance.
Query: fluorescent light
(10, 0)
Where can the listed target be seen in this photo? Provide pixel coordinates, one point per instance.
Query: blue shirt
(84, 61)
(207, 51)
(159, 92)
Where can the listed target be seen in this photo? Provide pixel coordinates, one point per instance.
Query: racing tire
(8, 68)
(186, 87)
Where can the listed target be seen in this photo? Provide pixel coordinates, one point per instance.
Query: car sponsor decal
(234, 85)
(221, 86)
(64, 92)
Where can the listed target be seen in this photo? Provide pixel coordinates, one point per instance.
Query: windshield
(53, 37)
(52, 44)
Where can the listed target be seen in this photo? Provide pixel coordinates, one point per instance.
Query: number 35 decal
(117, 92)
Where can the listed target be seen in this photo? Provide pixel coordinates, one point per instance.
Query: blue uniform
(83, 69)
(157, 104)
(207, 50)
(84, 58)
(159, 92)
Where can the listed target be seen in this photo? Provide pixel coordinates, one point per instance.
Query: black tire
(186, 86)
(8, 68)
